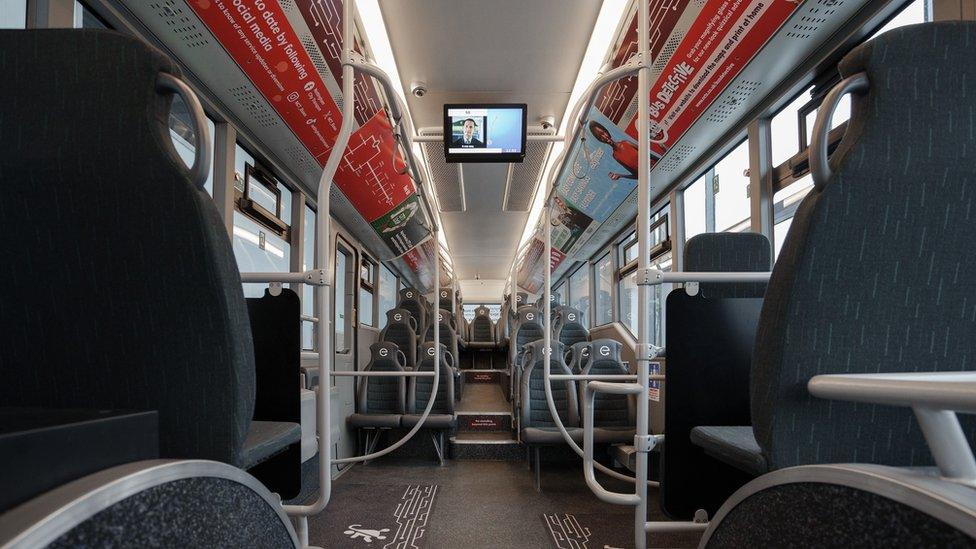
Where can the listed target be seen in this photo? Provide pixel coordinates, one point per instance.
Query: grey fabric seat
(899, 302)
(125, 319)
(418, 394)
(482, 330)
(401, 328)
(526, 328)
(568, 327)
(735, 445)
(449, 339)
(381, 400)
(614, 416)
(413, 300)
(265, 439)
(536, 421)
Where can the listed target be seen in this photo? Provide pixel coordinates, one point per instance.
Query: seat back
(527, 328)
(401, 328)
(534, 409)
(729, 253)
(420, 387)
(568, 326)
(553, 300)
(414, 301)
(446, 298)
(448, 333)
(383, 395)
(482, 328)
(877, 273)
(578, 356)
(609, 410)
(118, 284)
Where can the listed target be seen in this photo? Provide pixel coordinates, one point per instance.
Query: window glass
(184, 137)
(86, 19)
(559, 294)
(259, 193)
(731, 187)
(494, 310)
(308, 291)
(604, 303)
(367, 269)
(785, 202)
(341, 274)
(628, 248)
(579, 290)
(912, 14)
(258, 250)
(785, 129)
(13, 14)
(387, 293)
(694, 195)
(628, 301)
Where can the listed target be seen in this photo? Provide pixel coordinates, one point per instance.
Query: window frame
(367, 285)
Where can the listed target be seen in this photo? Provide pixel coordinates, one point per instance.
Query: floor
(483, 397)
(397, 503)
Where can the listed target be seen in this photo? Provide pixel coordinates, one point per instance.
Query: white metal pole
(643, 261)
(323, 241)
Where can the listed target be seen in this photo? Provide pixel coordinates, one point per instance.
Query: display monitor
(484, 133)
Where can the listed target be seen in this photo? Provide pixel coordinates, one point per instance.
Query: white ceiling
(498, 51)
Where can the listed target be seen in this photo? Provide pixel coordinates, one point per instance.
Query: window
(627, 290)
(604, 300)
(259, 246)
(387, 293)
(342, 303)
(699, 207)
(730, 183)
(367, 283)
(579, 291)
(785, 202)
(308, 291)
(559, 294)
(184, 136)
(255, 184)
(13, 14)
(494, 310)
(86, 19)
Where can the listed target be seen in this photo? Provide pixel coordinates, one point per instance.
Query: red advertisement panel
(719, 44)
(259, 38)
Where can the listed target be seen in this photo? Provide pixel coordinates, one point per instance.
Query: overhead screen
(484, 133)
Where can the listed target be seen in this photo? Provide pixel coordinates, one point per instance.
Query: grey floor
(483, 397)
(476, 504)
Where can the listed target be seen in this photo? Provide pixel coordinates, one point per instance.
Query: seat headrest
(528, 314)
(401, 316)
(482, 311)
(568, 315)
(427, 353)
(117, 111)
(729, 252)
(605, 350)
(386, 354)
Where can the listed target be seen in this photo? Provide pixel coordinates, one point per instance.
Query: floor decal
(412, 514)
(356, 531)
(567, 532)
(591, 530)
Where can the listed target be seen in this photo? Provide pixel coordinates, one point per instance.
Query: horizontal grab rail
(602, 377)
(383, 374)
(314, 277)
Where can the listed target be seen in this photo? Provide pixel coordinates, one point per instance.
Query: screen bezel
(454, 158)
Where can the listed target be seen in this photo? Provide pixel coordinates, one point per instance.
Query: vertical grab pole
(437, 304)
(643, 291)
(323, 260)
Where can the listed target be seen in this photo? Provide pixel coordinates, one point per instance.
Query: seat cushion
(550, 435)
(735, 446)
(383, 421)
(609, 435)
(267, 438)
(434, 421)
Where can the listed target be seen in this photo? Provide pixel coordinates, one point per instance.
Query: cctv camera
(418, 89)
(547, 122)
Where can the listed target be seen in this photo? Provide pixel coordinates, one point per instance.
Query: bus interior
(460, 274)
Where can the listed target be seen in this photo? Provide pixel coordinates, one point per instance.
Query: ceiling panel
(502, 51)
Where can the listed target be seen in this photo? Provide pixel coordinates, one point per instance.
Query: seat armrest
(935, 397)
